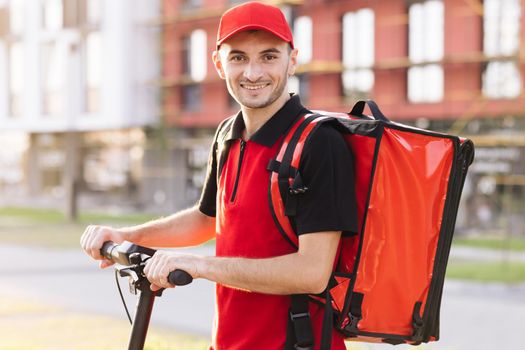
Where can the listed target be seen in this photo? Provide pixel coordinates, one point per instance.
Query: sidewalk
(67, 278)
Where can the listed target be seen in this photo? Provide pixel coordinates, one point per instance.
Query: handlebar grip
(106, 249)
(179, 278)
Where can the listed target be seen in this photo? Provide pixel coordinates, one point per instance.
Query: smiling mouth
(254, 87)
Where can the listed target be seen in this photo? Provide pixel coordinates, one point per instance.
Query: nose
(253, 71)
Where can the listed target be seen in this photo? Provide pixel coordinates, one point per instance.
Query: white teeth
(253, 87)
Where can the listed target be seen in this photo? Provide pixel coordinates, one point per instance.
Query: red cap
(254, 15)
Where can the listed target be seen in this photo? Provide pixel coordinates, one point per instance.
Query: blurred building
(128, 87)
(455, 66)
(77, 77)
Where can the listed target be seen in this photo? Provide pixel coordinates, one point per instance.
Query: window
(191, 4)
(358, 53)
(93, 79)
(194, 66)
(501, 25)
(303, 38)
(4, 18)
(86, 15)
(12, 25)
(426, 47)
(191, 97)
(195, 55)
(94, 11)
(16, 72)
(53, 14)
(17, 16)
(53, 79)
(12, 17)
(79, 13)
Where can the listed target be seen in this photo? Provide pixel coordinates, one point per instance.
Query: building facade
(454, 66)
(78, 87)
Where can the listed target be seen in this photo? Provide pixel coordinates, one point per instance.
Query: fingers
(94, 237)
(91, 241)
(105, 263)
(158, 268)
(85, 240)
(155, 288)
(163, 262)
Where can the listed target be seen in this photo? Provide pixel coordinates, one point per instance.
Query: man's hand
(163, 262)
(94, 237)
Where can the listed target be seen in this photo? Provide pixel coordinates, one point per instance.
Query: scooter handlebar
(120, 254)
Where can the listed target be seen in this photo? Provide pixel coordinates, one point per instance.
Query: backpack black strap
(359, 107)
(286, 171)
(328, 323)
(285, 181)
(299, 332)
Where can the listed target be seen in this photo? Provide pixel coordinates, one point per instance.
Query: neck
(254, 118)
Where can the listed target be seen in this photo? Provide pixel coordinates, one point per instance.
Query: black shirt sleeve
(327, 169)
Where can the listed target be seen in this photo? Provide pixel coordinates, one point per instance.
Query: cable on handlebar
(122, 297)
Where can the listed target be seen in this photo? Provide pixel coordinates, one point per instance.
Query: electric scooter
(131, 260)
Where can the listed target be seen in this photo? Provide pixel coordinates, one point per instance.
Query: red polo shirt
(245, 228)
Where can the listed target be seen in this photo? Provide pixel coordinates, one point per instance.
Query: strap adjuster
(303, 347)
(299, 315)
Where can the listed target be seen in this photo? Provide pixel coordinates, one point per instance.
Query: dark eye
(237, 58)
(269, 57)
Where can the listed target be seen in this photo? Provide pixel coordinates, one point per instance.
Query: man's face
(256, 66)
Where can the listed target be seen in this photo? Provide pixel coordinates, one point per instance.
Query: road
(70, 279)
(473, 316)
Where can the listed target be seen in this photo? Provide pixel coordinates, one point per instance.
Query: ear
(216, 57)
(292, 65)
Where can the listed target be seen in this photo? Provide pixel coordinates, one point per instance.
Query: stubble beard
(274, 96)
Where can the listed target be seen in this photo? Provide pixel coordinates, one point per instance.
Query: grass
(54, 328)
(51, 216)
(50, 228)
(509, 272)
(514, 243)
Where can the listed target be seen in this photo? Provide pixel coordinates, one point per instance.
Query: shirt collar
(274, 128)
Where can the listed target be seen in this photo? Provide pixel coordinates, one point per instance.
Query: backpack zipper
(432, 308)
(241, 156)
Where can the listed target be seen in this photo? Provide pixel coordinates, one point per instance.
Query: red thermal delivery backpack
(388, 282)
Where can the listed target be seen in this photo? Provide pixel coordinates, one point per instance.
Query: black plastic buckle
(418, 324)
(417, 335)
(300, 321)
(352, 323)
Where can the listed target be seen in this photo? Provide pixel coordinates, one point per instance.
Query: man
(256, 270)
